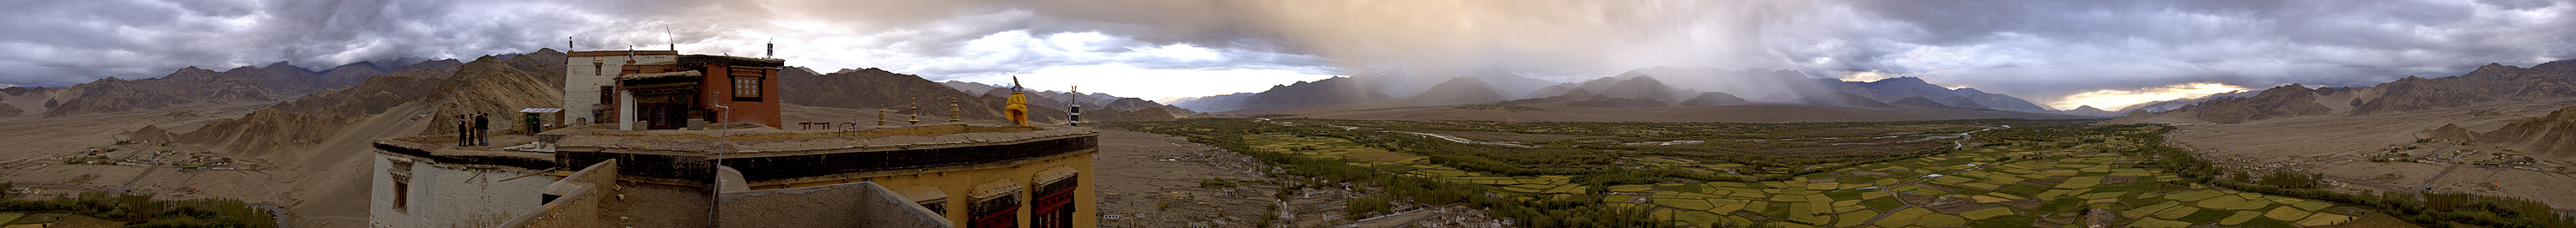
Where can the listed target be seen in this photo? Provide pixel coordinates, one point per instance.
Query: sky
(2061, 54)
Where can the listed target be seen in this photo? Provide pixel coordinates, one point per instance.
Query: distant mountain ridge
(2489, 84)
(1318, 93)
(1640, 88)
(873, 88)
(193, 86)
(1459, 90)
(2170, 105)
(2552, 135)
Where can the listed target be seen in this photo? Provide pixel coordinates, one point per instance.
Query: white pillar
(625, 110)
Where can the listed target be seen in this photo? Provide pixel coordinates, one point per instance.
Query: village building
(697, 89)
(588, 89)
(734, 169)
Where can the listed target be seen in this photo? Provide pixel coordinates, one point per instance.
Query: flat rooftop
(683, 156)
(748, 141)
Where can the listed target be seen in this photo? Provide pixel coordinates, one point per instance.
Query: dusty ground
(323, 185)
(1150, 180)
(2338, 145)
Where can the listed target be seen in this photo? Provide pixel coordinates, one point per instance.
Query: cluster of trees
(139, 210)
(1582, 211)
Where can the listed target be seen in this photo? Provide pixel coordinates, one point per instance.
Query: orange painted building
(709, 88)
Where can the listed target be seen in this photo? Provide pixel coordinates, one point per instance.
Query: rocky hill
(2488, 84)
(2089, 110)
(189, 86)
(488, 84)
(1218, 103)
(1752, 84)
(1327, 92)
(2283, 101)
(1712, 99)
(1892, 89)
(2170, 105)
(1638, 86)
(10, 111)
(499, 88)
(1460, 90)
(2551, 136)
(371, 96)
(1846, 100)
(1918, 102)
(873, 88)
(2449, 132)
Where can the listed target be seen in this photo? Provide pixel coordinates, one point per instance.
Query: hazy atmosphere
(1288, 113)
(2056, 53)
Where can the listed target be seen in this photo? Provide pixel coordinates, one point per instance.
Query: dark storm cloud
(59, 43)
(2046, 49)
(2038, 50)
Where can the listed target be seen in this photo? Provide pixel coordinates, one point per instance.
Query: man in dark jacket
(462, 139)
(482, 130)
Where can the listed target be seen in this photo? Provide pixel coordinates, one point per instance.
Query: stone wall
(578, 201)
(862, 204)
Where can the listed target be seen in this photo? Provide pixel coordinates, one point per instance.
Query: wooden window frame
(747, 88)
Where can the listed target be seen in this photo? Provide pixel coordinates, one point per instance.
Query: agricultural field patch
(1886, 174)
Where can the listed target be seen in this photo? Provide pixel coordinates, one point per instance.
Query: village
(156, 154)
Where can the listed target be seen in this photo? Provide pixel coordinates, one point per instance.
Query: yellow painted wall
(959, 185)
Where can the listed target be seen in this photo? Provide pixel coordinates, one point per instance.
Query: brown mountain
(2550, 136)
(1846, 100)
(874, 88)
(1327, 92)
(1918, 102)
(1578, 94)
(1217, 103)
(441, 89)
(193, 85)
(1713, 99)
(2089, 110)
(1634, 86)
(2170, 105)
(2283, 101)
(1892, 89)
(497, 87)
(2488, 84)
(372, 95)
(1460, 90)
(2449, 132)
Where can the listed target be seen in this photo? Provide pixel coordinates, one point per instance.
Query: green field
(1895, 174)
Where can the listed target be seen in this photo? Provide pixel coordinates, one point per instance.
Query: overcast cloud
(2044, 51)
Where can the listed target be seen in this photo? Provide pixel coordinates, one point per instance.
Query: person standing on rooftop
(482, 130)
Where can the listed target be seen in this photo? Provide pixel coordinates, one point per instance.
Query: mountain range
(2489, 84)
(194, 86)
(1658, 87)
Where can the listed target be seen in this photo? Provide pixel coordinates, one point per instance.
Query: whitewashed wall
(451, 196)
